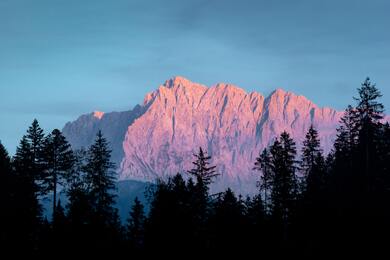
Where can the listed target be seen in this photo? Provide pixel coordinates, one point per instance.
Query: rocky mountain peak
(158, 138)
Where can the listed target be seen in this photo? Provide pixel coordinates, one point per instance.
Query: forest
(308, 203)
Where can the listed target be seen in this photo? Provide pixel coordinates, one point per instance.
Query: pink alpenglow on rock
(98, 114)
(158, 138)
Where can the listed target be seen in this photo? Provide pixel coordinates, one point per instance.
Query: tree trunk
(54, 196)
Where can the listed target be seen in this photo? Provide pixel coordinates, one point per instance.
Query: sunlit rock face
(158, 138)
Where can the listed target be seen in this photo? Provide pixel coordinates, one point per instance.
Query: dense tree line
(308, 203)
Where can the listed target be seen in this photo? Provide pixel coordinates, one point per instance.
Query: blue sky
(63, 58)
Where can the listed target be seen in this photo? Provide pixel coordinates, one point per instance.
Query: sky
(63, 58)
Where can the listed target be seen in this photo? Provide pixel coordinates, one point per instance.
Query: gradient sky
(63, 58)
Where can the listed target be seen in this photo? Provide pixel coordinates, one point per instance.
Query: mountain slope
(159, 137)
(82, 132)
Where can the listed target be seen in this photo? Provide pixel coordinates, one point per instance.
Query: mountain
(82, 132)
(158, 138)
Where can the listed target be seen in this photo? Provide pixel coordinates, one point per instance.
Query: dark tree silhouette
(347, 134)
(342, 208)
(202, 171)
(258, 232)
(79, 207)
(28, 163)
(357, 183)
(313, 170)
(77, 191)
(36, 140)
(60, 230)
(227, 223)
(59, 218)
(263, 165)
(284, 191)
(6, 198)
(370, 111)
(312, 163)
(58, 157)
(136, 225)
(101, 180)
(370, 114)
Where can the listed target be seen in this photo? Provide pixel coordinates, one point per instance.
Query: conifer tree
(284, 191)
(347, 135)
(77, 190)
(101, 180)
(356, 186)
(6, 198)
(312, 162)
(59, 219)
(59, 231)
(5, 174)
(227, 222)
(58, 157)
(28, 212)
(312, 168)
(263, 165)
(202, 171)
(199, 196)
(370, 114)
(370, 110)
(35, 137)
(136, 225)
(256, 229)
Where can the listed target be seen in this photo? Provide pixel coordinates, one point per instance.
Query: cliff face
(159, 137)
(82, 132)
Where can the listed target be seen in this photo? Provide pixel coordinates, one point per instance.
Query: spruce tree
(136, 225)
(36, 139)
(58, 157)
(101, 180)
(370, 110)
(5, 162)
(309, 211)
(77, 191)
(343, 177)
(347, 135)
(312, 162)
(59, 228)
(263, 165)
(28, 211)
(202, 171)
(199, 196)
(370, 114)
(284, 191)
(356, 189)
(59, 219)
(257, 233)
(5, 175)
(373, 191)
(6, 198)
(162, 227)
(227, 223)
(255, 211)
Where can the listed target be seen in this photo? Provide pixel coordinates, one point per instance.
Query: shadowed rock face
(82, 132)
(159, 137)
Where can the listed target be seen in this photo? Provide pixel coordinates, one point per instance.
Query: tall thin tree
(263, 165)
(203, 171)
(284, 191)
(36, 138)
(101, 179)
(136, 224)
(312, 161)
(58, 163)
